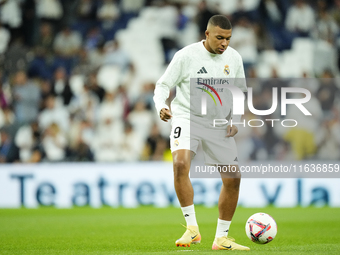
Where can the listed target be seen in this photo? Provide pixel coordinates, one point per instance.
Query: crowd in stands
(77, 77)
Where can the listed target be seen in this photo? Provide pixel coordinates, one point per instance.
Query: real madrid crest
(226, 70)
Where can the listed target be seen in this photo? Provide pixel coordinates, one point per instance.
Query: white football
(261, 228)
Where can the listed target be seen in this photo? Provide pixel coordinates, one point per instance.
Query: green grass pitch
(148, 230)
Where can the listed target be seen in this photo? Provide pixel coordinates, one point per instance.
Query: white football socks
(189, 215)
(222, 228)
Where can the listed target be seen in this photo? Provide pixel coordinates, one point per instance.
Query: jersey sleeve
(171, 78)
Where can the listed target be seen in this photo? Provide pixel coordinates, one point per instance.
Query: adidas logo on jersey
(202, 70)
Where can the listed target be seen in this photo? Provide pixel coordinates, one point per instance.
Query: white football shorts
(217, 148)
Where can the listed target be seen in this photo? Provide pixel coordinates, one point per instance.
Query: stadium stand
(77, 77)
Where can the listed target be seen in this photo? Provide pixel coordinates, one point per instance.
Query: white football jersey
(195, 71)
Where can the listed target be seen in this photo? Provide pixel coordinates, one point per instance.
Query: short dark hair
(220, 21)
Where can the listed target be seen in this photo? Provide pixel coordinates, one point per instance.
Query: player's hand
(231, 131)
(165, 114)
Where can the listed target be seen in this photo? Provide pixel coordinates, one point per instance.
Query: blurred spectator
(16, 56)
(86, 10)
(273, 82)
(270, 139)
(26, 139)
(321, 5)
(38, 154)
(271, 12)
(203, 16)
(11, 15)
(123, 97)
(93, 38)
(97, 55)
(335, 12)
(162, 151)
(81, 153)
(182, 19)
(116, 55)
(45, 39)
(259, 149)
(85, 105)
(54, 143)
(8, 151)
(82, 65)
(254, 81)
(326, 28)
(131, 144)
(40, 67)
(155, 145)
(94, 87)
(107, 140)
(50, 11)
(328, 137)
(80, 136)
(107, 13)
(327, 92)
(264, 40)
(298, 12)
(302, 138)
(26, 96)
(141, 120)
(54, 113)
(5, 90)
(244, 41)
(146, 94)
(28, 28)
(45, 92)
(7, 117)
(61, 86)
(67, 43)
(107, 10)
(111, 101)
(170, 48)
(5, 37)
(306, 122)
(86, 132)
(302, 143)
(131, 6)
(3, 98)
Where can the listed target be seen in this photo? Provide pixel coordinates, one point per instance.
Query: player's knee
(232, 183)
(181, 168)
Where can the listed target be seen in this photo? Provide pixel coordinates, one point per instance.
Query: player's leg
(220, 150)
(183, 149)
(181, 167)
(229, 193)
(185, 194)
(226, 206)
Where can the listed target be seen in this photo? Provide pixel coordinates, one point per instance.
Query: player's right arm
(171, 77)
